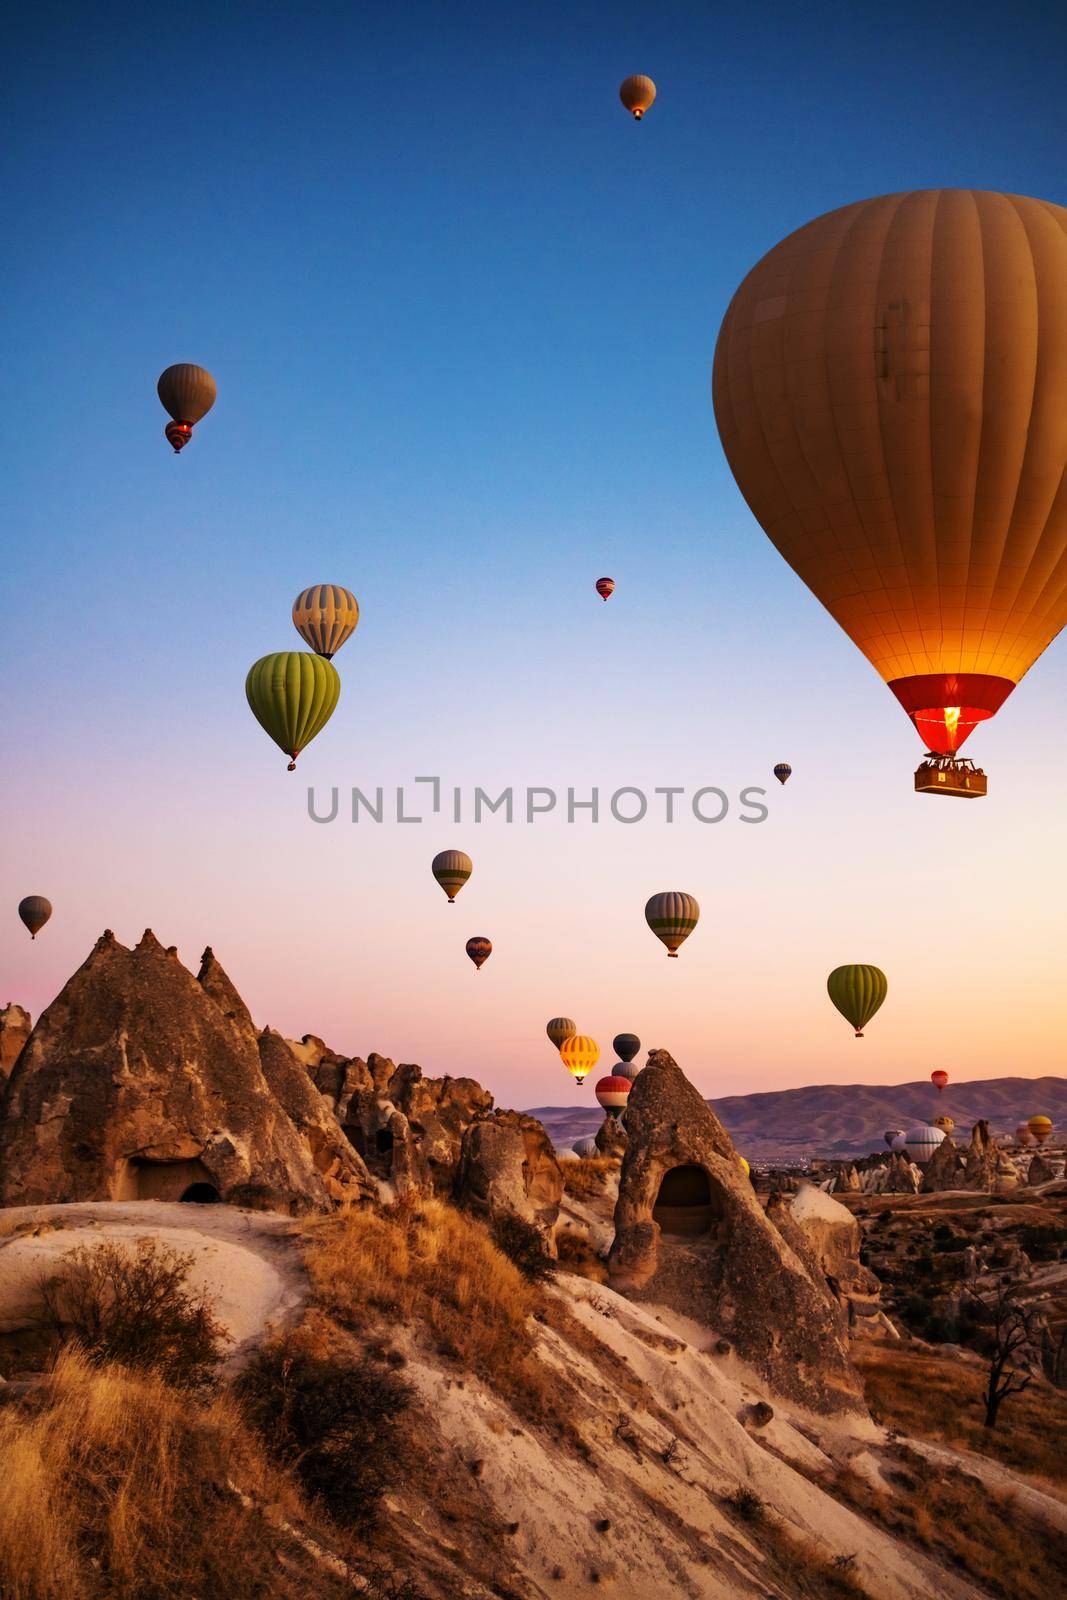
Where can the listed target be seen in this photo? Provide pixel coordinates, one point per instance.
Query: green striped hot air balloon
(560, 1029)
(857, 991)
(292, 694)
(452, 868)
(672, 916)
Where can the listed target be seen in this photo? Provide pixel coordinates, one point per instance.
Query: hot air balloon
(325, 616)
(891, 393)
(585, 1148)
(1041, 1128)
(580, 1055)
(672, 916)
(560, 1028)
(857, 991)
(939, 1078)
(1023, 1134)
(35, 911)
(637, 94)
(188, 393)
(745, 1168)
(946, 1124)
(451, 868)
(898, 1143)
(921, 1143)
(613, 1094)
(479, 950)
(626, 1045)
(893, 1134)
(292, 695)
(626, 1069)
(605, 587)
(783, 772)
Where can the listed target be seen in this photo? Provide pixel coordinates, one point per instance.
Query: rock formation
(944, 1170)
(610, 1139)
(1039, 1171)
(507, 1164)
(15, 1029)
(982, 1161)
(408, 1129)
(690, 1232)
(141, 1082)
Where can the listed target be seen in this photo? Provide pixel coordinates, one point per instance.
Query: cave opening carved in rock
(354, 1134)
(687, 1203)
(143, 1179)
(383, 1142)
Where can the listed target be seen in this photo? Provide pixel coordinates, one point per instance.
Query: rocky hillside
(848, 1119)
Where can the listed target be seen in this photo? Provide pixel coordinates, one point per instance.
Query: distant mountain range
(837, 1119)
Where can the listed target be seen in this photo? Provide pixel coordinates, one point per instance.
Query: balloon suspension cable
(178, 434)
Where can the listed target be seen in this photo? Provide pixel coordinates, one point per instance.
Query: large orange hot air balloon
(891, 391)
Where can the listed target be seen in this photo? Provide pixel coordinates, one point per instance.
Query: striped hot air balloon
(188, 393)
(921, 1143)
(613, 1093)
(672, 916)
(628, 1070)
(637, 94)
(946, 1124)
(580, 1055)
(605, 587)
(783, 772)
(292, 695)
(1023, 1134)
(451, 868)
(479, 949)
(34, 912)
(1041, 1128)
(560, 1028)
(857, 991)
(892, 1135)
(626, 1045)
(325, 616)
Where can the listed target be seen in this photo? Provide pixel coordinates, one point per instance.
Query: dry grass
(941, 1399)
(577, 1255)
(953, 1516)
(811, 1574)
(112, 1484)
(437, 1269)
(587, 1179)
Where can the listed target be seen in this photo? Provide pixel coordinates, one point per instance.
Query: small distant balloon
(672, 916)
(892, 1135)
(857, 991)
(613, 1094)
(637, 94)
(580, 1055)
(452, 868)
(35, 911)
(605, 587)
(187, 392)
(939, 1080)
(292, 695)
(585, 1148)
(946, 1124)
(479, 950)
(626, 1045)
(783, 772)
(1023, 1134)
(560, 1028)
(325, 616)
(1041, 1128)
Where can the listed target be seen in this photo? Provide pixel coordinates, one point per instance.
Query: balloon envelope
(479, 949)
(626, 1069)
(35, 911)
(890, 388)
(613, 1092)
(783, 772)
(1040, 1127)
(857, 991)
(626, 1045)
(186, 391)
(939, 1079)
(946, 1124)
(637, 94)
(605, 587)
(585, 1148)
(580, 1055)
(560, 1028)
(325, 616)
(292, 695)
(921, 1143)
(672, 916)
(451, 868)
(893, 1133)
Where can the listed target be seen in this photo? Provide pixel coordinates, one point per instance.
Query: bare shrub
(587, 1178)
(523, 1245)
(133, 1306)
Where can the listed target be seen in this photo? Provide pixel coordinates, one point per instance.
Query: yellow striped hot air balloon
(451, 868)
(188, 393)
(637, 94)
(672, 916)
(1041, 1128)
(946, 1124)
(292, 695)
(890, 388)
(857, 991)
(325, 616)
(580, 1055)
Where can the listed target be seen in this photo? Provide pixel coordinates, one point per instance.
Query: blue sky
(461, 311)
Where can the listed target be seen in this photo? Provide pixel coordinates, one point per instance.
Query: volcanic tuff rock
(1039, 1171)
(408, 1128)
(507, 1164)
(140, 1082)
(690, 1232)
(15, 1029)
(611, 1138)
(944, 1170)
(982, 1160)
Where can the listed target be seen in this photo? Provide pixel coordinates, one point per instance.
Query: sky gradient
(461, 311)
